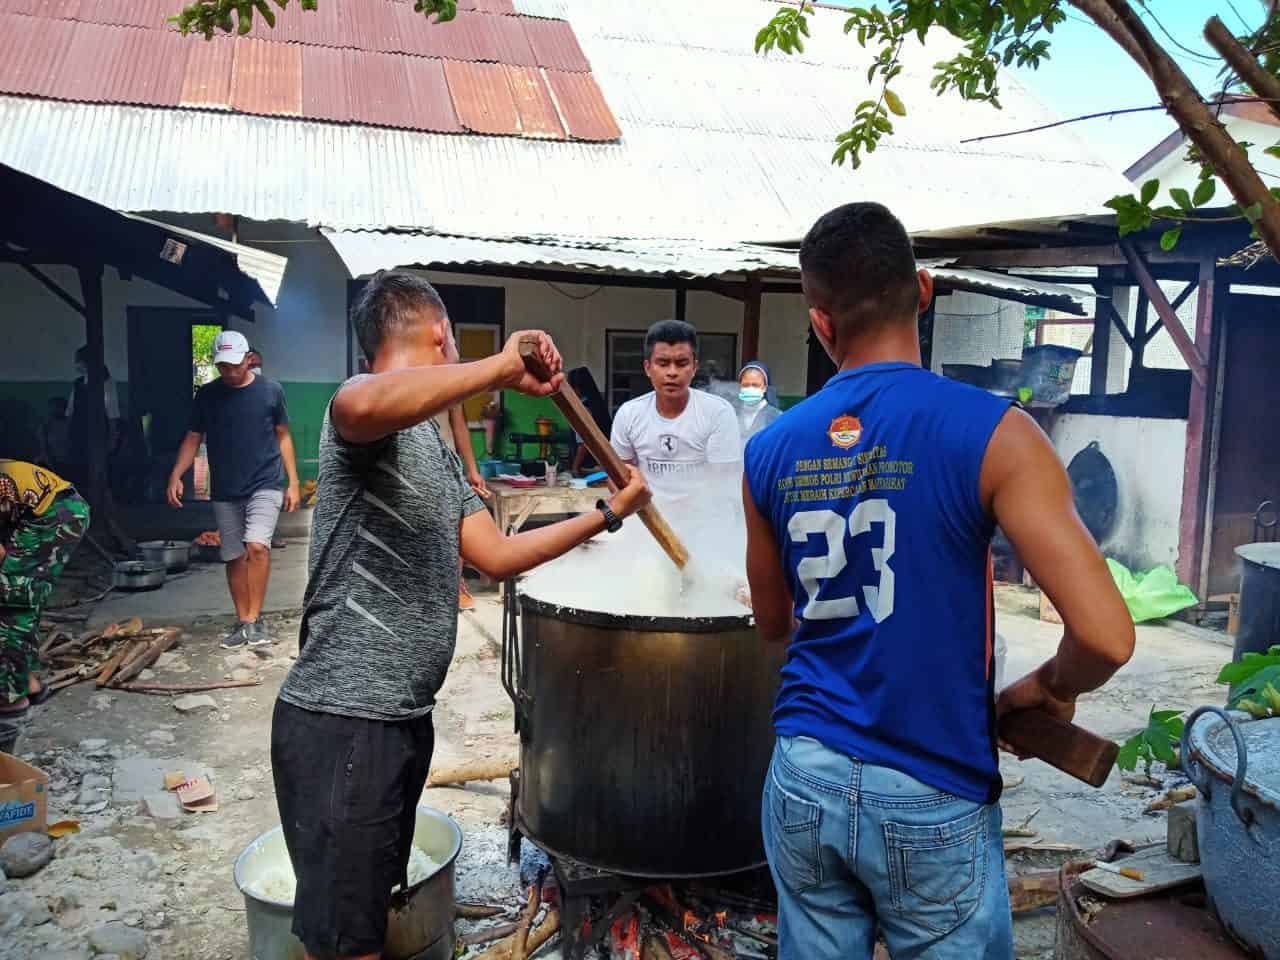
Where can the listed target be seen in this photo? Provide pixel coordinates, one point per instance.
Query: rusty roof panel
(555, 45)
(97, 48)
(206, 82)
(129, 13)
(512, 42)
(586, 115)
(536, 108)
(430, 105)
(482, 97)
(266, 77)
(376, 84)
(503, 7)
(371, 25)
(324, 84)
(56, 9)
(32, 52)
(324, 26)
(123, 65)
(417, 36)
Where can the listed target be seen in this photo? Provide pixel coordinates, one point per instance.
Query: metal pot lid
(636, 622)
(164, 544)
(1213, 742)
(1262, 554)
(1094, 490)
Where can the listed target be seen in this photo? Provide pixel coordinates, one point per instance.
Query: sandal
(41, 695)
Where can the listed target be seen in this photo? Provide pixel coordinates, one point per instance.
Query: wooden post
(1201, 415)
(91, 295)
(751, 320)
(1100, 359)
(682, 303)
(1139, 333)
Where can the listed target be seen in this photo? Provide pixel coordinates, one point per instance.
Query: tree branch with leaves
(209, 17)
(1004, 33)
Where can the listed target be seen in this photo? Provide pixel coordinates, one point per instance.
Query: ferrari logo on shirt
(668, 442)
(845, 431)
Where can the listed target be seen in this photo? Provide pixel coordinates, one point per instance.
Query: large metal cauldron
(1259, 598)
(644, 742)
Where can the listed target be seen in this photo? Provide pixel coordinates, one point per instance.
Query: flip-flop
(40, 696)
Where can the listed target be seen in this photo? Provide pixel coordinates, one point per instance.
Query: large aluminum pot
(644, 742)
(1235, 765)
(419, 925)
(174, 554)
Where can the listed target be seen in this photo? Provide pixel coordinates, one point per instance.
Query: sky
(1088, 73)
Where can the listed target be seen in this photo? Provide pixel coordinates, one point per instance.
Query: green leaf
(1162, 749)
(1169, 239)
(1247, 666)
(1149, 191)
(1164, 716)
(894, 103)
(1204, 192)
(1181, 197)
(1253, 687)
(1127, 759)
(1253, 212)
(1166, 212)
(1273, 151)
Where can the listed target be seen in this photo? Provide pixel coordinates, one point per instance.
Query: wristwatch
(612, 522)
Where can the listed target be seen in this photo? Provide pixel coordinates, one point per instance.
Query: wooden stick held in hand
(570, 404)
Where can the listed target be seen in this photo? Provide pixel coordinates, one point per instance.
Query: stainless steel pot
(420, 922)
(644, 742)
(174, 554)
(138, 575)
(1235, 765)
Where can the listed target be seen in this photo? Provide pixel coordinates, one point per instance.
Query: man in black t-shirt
(243, 420)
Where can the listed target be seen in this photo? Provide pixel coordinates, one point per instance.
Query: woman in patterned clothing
(42, 518)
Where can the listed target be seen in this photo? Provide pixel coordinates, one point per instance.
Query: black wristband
(612, 522)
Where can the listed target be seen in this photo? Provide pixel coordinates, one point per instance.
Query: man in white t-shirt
(684, 441)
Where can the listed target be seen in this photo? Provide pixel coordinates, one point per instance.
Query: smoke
(627, 572)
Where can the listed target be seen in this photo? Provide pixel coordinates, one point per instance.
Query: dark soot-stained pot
(644, 742)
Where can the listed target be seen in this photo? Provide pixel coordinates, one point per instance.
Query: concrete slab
(136, 778)
(201, 591)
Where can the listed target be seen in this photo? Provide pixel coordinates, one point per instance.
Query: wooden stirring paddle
(570, 404)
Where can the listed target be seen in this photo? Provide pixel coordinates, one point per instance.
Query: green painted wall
(307, 403)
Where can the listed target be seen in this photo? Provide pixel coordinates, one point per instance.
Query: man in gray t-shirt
(351, 737)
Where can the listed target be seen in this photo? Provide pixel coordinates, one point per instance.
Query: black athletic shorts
(347, 789)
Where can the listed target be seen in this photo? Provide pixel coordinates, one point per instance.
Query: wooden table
(513, 506)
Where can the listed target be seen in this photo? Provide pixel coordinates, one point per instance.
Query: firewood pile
(112, 657)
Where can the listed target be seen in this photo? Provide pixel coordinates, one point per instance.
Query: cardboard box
(24, 791)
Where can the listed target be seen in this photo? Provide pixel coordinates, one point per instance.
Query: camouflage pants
(33, 561)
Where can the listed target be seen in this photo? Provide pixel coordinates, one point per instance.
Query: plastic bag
(1152, 595)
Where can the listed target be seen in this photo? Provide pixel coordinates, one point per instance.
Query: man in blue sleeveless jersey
(870, 509)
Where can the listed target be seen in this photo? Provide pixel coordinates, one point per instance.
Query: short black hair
(670, 331)
(857, 264)
(389, 303)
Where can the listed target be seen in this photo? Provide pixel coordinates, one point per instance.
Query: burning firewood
(477, 911)
(520, 939)
(501, 950)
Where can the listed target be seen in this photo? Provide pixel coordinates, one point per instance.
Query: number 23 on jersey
(813, 570)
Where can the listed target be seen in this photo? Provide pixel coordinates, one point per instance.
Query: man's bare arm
(498, 555)
(771, 601)
(1025, 487)
(377, 406)
(186, 457)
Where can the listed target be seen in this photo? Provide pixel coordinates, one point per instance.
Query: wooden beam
(91, 292)
(682, 303)
(751, 320)
(51, 285)
(1178, 301)
(1108, 309)
(1099, 255)
(1138, 346)
(1100, 363)
(1200, 417)
(1186, 346)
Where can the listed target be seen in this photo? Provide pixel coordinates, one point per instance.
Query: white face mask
(751, 395)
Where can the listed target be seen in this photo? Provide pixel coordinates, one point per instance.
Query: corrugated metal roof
(267, 268)
(117, 51)
(719, 145)
(538, 116)
(555, 45)
(586, 115)
(31, 52)
(266, 77)
(207, 80)
(365, 252)
(551, 9)
(482, 97)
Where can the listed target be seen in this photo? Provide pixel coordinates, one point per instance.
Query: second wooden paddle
(570, 404)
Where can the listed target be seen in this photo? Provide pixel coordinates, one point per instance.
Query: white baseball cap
(229, 347)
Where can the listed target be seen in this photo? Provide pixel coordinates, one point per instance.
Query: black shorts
(347, 789)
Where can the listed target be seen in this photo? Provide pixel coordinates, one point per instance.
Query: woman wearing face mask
(755, 412)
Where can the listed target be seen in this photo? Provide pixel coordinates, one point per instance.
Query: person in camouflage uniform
(42, 519)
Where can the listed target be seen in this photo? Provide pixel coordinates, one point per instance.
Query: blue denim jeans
(854, 848)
